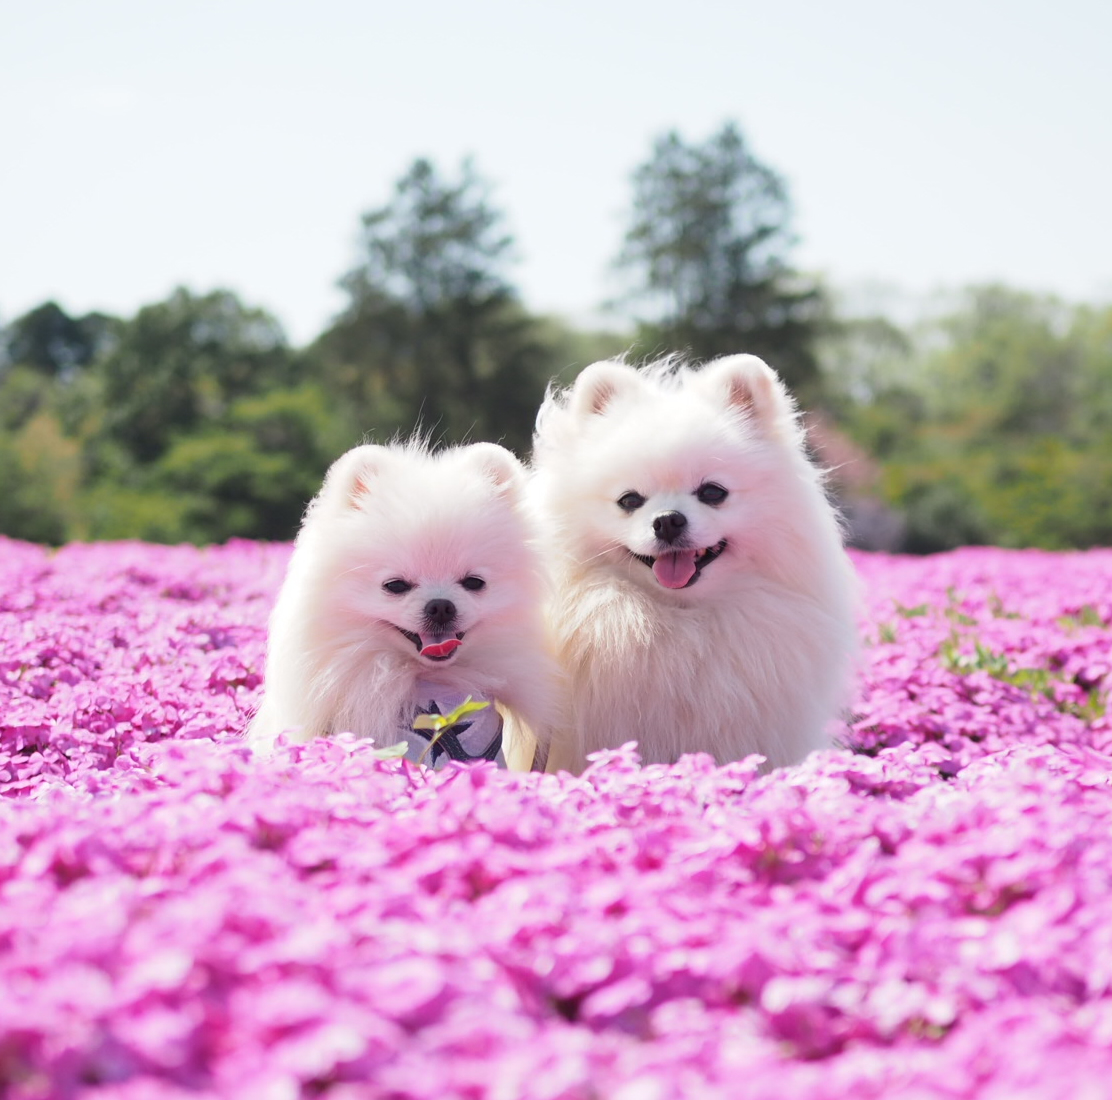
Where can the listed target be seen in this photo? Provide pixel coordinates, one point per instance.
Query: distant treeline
(195, 420)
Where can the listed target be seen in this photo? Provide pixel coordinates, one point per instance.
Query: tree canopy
(433, 332)
(194, 419)
(706, 250)
(993, 423)
(181, 362)
(50, 342)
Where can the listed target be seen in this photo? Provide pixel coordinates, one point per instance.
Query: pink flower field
(926, 912)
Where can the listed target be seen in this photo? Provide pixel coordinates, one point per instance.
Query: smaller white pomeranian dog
(413, 575)
(703, 598)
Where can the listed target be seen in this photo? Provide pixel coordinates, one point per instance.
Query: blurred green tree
(50, 342)
(198, 425)
(45, 361)
(255, 473)
(706, 248)
(1008, 364)
(23, 392)
(179, 364)
(28, 508)
(434, 332)
(995, 427)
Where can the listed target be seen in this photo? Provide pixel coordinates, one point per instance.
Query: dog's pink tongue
(675, 568)
(440, 649)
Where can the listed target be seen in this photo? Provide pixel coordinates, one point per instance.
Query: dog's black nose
(440, 612)
(668, 526)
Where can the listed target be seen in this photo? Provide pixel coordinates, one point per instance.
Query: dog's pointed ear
(597, 386)
(500, 467)
(352, 476)
(749, 387)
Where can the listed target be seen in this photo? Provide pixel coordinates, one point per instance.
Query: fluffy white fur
(337, 657)
(753, 655)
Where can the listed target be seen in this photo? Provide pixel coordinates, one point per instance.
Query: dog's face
(432, 611)
(672, 514)
(429, 551)
(675, 526)
(674, 481)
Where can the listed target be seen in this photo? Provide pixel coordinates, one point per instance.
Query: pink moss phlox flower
(923, 911)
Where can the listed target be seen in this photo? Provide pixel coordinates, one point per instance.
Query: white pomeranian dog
(703, 598)
(413, 575)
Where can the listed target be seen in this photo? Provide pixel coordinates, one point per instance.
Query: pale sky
(234, 143)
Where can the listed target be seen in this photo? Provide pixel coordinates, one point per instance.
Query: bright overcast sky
(234, 143)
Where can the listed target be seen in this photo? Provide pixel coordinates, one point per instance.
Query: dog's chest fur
(728, 677)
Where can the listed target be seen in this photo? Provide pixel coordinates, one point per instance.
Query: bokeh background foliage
(985, 419)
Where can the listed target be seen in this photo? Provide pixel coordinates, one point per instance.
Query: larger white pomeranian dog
(704, 601)
(413, 572)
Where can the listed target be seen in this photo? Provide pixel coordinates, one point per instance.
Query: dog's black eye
(630, 502)
(473, 583)
(710, 493)
(398, 587)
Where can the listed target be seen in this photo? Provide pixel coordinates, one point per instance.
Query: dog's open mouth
(681, 568)
(436, 647)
